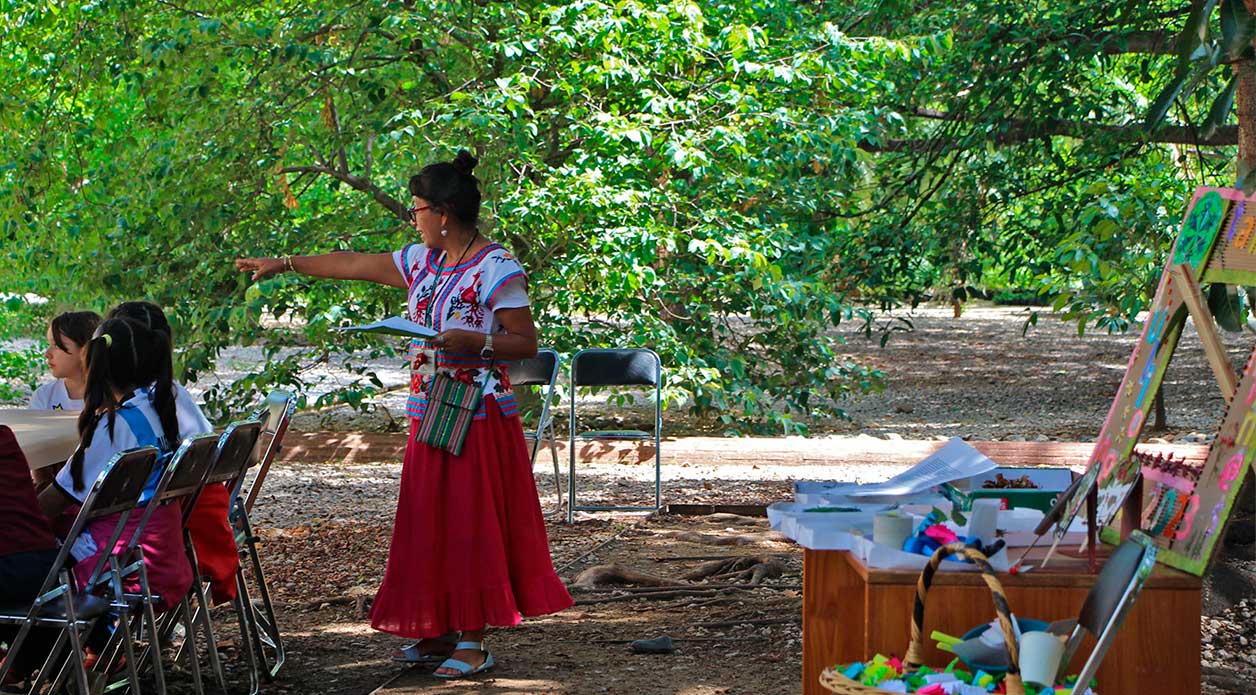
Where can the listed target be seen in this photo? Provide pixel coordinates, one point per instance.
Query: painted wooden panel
(1217, 244)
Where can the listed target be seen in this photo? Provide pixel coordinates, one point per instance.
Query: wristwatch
(487, 351)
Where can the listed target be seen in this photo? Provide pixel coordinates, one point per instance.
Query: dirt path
(326, 525)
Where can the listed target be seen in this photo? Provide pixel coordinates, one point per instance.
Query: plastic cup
(891, 529)
(1040, 656)
(983, 520)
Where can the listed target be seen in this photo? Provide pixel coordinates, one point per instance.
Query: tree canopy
(721, 181)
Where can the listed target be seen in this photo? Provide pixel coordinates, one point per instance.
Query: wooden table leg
(833, 608)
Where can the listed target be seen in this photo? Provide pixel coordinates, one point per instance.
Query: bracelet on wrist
(287, 264)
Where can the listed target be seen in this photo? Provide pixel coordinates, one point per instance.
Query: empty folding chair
(59, 605)
(616, 367)
(234, 456)
(275, 415)
(541, 371)
(264, 627)
(1109, 600)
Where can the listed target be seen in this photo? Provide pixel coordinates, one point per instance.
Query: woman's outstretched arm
(341, 265)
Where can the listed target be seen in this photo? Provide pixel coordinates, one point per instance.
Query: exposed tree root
(734, 519)
(754, 568)
(733, 539)
(607, 575)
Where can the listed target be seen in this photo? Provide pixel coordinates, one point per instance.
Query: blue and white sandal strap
(463, 668)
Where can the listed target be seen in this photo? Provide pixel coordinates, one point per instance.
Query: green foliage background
(721, 181)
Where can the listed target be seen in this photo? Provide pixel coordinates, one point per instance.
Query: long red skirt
(469, 547)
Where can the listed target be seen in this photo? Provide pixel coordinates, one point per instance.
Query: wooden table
(46, 436)
(851, 612)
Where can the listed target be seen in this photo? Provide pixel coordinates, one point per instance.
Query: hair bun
(465, 162)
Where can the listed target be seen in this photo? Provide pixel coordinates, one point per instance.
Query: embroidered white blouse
(463, 296)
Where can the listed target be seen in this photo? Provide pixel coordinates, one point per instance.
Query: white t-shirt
(191, 422)
(53, 396)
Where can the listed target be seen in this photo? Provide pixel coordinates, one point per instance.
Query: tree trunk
(1245, 105)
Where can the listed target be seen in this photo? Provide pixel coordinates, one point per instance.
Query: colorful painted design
(1199, 230)
(1111, 468)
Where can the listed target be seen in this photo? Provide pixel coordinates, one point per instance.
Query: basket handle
(915, 650)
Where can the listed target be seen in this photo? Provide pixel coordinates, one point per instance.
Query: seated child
(68, 333)
(212, 535)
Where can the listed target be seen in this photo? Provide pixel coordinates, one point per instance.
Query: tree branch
(358, 183)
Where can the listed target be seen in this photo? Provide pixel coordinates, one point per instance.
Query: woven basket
(837, 683)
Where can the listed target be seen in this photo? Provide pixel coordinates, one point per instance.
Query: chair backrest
(616, 367)
(116, 491)
(1120, 572)
(190, 466)
(236, 452)
(120, 485)
(1114, 592)
(275, 415)
(541, 370)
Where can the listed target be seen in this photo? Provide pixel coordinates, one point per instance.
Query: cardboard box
(1050, 481)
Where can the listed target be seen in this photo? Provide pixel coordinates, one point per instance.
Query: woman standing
(469, 547)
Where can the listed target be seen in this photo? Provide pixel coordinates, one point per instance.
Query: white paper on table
(394, 325)
(955, 460)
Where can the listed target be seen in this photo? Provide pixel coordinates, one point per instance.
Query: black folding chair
(616, 367)
(58, 604)
(541, 371)
(182, 479)
(233, 457)
(1109, 600)
(263, 625)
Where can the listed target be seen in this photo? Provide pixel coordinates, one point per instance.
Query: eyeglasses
(411, 212)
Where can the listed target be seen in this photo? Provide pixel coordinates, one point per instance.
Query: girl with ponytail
(191, 420)
(212, 536)
(119, 414)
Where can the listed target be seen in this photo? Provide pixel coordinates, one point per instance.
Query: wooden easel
(1217, 244)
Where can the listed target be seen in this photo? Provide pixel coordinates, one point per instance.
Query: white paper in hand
(394, 325)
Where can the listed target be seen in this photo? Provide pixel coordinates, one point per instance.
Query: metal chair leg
(558, 482)
(265, 624)
(189, 645)
(149, 618)
(246, 643)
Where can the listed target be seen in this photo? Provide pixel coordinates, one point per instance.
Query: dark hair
(146, 313)
(75, 326)
(160, 371)
(451, 187)
(123, 356)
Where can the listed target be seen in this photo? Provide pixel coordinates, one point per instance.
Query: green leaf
(1237, 28)
(1194, 34)
(1160, 107)
(1226, 307)
(1221, 107)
